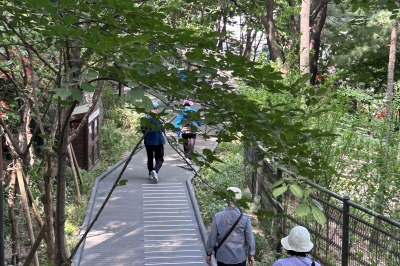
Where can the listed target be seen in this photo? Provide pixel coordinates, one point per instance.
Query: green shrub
(232, 172)
(262, 247)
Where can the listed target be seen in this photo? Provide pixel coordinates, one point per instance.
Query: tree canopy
(53, 53)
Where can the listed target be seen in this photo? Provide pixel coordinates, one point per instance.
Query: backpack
(186, 127)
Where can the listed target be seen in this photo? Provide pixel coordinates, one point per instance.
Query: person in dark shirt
(185, 129)
(154, 142)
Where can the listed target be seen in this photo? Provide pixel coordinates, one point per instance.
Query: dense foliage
(56, 55)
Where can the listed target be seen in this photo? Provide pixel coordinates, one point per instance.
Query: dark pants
(154, 152)
(188, 147)
(239, 264)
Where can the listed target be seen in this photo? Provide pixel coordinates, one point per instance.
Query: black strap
(230, 231)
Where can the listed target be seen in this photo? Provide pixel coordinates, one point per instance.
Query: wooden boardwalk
(145, 223)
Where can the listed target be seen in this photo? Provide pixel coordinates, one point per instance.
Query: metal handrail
(342, 198)
(347, 218)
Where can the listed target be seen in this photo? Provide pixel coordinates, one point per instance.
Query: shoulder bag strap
(230, 231)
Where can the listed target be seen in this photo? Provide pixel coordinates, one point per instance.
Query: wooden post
(34, 208)
(32, 202)
(13, 220)
(76, 163)
(67, 252)
(35, 246)
(73, 170)
(25, 206)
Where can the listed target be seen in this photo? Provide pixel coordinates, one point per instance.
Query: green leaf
(63, 102)
(160, 96)
(318, 215)
(305, 78)
(132, 84)
(72, 70)
(354, 8)
(69, 20)
(59, 30)
(302, 209)
(122, 182)
(265, 214)
(277, 183)
(279, 191)
(297, 191)
(77, 95)
(321, 91)
(147, 103)
(319, 206)
(142, 38)
(215, 169)
(365, 7)
(136, 94)
(208, 152)
(44, 136)
(92, 74)
(63, 93)
(87, 87)
(306, 193)
(38, 3)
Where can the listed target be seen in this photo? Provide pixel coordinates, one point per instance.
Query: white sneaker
(155, 176)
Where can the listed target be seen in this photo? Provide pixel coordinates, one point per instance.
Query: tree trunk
(222, 39)
(249, 42)
(25, 206)
(257, 46)
(61, 185)
(15, 259)
(305, 37)
(173, 20)
(391, 65)
(47, 200)
(269, 25)
(317, 24)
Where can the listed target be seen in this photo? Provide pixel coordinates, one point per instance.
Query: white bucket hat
(238, 192)
(298, 240)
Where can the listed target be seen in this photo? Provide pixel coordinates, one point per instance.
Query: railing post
(345, 226)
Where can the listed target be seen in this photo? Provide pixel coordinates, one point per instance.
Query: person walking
(186, 129)
(298, 245)
(154, 142)
(239, 244)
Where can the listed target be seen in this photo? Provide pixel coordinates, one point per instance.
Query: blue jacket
(153, 137)
(180, 117)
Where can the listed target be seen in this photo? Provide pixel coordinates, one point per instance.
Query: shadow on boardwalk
(145, 223)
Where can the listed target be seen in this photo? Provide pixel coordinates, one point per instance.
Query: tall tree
(391, 67)
(305, 36)
(282, 25)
